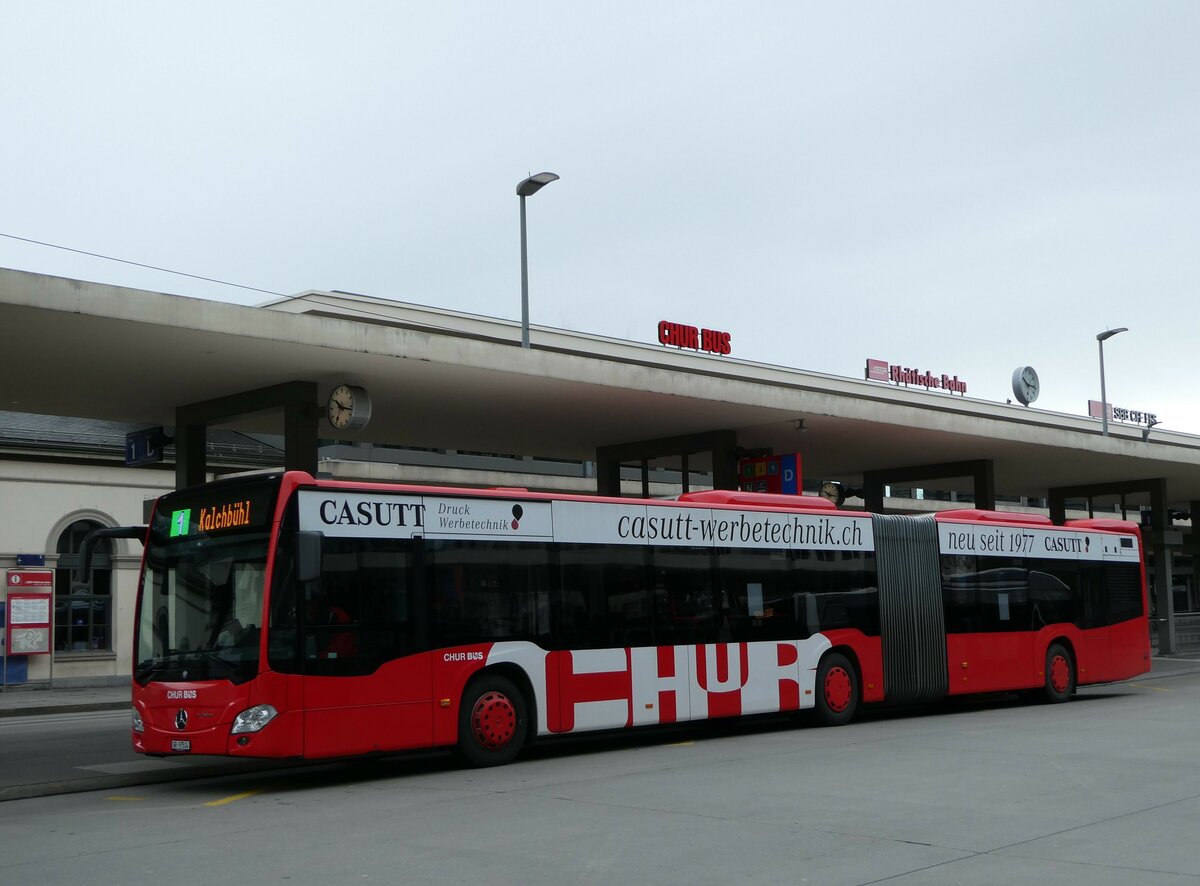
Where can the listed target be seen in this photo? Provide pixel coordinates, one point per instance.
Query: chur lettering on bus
(613, 688)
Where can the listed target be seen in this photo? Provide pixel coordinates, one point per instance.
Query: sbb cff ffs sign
(771, 473)
(680, 335)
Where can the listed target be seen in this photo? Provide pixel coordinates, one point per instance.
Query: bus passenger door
(367, 687)
(1095, 659)
(349, 712)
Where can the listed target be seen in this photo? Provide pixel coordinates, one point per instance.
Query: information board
(30, 617)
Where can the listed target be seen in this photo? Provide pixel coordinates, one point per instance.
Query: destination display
(186, 516)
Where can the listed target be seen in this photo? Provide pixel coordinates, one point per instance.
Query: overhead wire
(358, 309)
(137, 264)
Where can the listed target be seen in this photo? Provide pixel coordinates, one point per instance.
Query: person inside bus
(324, 615)
(224, 627)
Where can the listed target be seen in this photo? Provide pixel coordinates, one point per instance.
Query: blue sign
(788, 482)
(144, 447)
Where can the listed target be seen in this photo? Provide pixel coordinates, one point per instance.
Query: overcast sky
(957, 187)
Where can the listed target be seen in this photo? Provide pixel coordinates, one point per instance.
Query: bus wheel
(492, 722)
(837, 690)
(1060, 674)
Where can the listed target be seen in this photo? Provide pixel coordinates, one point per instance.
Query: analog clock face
(1026, 385)
(832, 491)
(349, 407)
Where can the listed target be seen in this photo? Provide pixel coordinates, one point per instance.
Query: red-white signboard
(31, 580)
(881, 370)
(1120, 413)
(28, 622)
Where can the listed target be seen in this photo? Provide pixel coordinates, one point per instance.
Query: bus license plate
(181, 745)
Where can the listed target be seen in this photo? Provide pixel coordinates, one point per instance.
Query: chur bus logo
(180, 521)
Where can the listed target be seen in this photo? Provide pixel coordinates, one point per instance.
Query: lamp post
(1101, 338)
(528, 188)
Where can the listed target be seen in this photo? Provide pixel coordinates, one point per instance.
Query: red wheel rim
(1060, 673)
(839, 689)
(494, 720)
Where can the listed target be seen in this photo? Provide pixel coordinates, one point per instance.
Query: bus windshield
(202, 586)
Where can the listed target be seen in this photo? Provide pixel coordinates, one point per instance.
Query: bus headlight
(253, 719)
(138, 725)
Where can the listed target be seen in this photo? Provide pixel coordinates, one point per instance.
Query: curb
(66, 708)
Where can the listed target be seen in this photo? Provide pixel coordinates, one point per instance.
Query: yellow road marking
(680, 744)
(1151, 688)
(232, 799)
(126, 799)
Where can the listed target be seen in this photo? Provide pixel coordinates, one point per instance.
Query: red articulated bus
(284, 616)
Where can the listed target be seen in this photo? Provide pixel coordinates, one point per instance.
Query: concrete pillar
(190, 461)
(1159, 525)
(722, 445)
(297, 400)
(981, 471)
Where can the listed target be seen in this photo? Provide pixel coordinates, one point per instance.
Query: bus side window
(684, 607)
(486, 591)
(358, 615)
(835, 589)
(756, 595)
(1050, 600)
(603, 599)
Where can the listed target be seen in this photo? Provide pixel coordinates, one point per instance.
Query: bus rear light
(138, 725)
(253, 719)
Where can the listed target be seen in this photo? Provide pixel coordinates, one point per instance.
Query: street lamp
(528, 188)
(1101, 338)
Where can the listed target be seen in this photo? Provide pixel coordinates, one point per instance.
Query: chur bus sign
(680, 335)
(894, 373)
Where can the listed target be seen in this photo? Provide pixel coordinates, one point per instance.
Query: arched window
(83, 621)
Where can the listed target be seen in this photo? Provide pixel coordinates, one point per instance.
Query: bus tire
(836, 690)
(1060, 674)
(492, 721)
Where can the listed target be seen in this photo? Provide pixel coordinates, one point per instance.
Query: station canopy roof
(447, 380)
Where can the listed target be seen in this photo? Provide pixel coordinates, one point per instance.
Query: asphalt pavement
(1097, 792)
(30, 716)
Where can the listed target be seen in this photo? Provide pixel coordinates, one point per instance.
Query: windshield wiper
(181, 655)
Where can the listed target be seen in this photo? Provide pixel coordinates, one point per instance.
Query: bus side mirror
(82, 575)
(308, 556)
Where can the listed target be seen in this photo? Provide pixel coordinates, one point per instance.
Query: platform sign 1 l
(145, 447)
